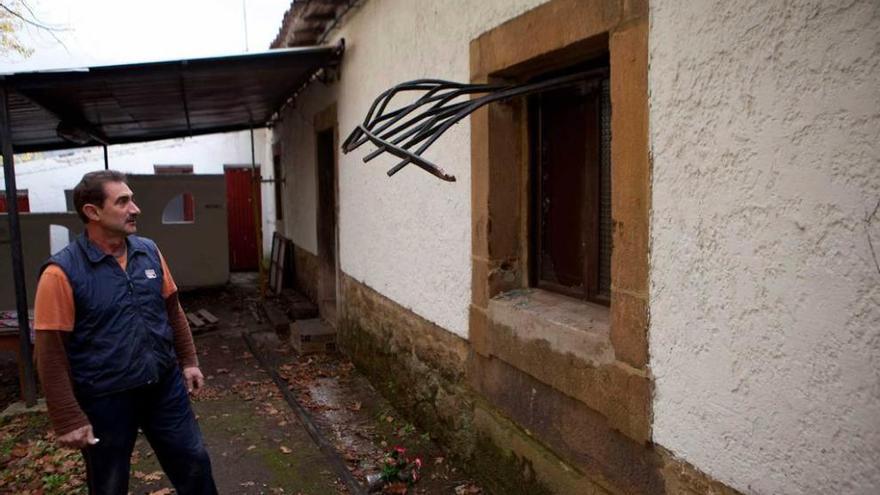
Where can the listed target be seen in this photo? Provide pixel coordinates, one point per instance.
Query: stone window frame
(561, 33)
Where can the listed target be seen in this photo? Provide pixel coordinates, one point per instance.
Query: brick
(480, 281)
(549, 27)
(635, 9)
(505, 184)
(620, 393)
(574, 431)
(629, 329)
(480, 182)
(629, 154)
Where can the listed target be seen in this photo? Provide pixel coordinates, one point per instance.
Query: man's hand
(194, 379)
(79, 438)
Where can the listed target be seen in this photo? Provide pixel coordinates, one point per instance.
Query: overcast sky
(100, 32)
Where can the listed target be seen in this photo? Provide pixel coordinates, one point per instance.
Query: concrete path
(256, 443)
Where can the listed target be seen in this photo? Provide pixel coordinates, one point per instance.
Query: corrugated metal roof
(157, 100)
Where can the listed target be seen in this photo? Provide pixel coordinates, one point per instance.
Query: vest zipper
(144, 330)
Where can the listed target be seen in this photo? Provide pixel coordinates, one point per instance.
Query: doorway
(325, 148)
(242, 216)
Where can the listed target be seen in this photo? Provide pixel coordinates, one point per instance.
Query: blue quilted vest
(121, 338)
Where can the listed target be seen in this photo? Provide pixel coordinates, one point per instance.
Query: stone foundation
(518, 434)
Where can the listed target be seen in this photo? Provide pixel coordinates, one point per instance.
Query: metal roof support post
(26, 362)
(256, 206)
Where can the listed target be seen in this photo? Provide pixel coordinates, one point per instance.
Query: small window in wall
(59, 237)
(278, 182)
(570, 241)
(23, 202)
(181, 209)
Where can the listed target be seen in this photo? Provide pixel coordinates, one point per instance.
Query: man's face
(119, 213)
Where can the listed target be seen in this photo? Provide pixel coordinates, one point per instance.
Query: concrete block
(312, 336)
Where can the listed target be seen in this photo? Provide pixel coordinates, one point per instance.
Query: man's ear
(92, 212)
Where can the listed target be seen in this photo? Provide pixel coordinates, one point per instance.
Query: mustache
(131, 218)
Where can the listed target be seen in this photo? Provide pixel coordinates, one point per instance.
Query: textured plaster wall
(296, 133)
(407, 237)
(765, 296)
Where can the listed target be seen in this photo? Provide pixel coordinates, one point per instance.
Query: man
(114, 350)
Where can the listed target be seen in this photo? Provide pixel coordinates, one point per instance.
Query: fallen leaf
(285, 449)
(154, 476)
(468, 489)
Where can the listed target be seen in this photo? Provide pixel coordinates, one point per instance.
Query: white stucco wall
(47, 175)
(765, 297)
(296, 133)
(408, 236)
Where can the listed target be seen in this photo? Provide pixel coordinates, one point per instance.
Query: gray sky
(100, 32)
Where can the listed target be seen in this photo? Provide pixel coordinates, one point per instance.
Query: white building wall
(267, 189)
(47, 175)
(765, 294)
(408, 236)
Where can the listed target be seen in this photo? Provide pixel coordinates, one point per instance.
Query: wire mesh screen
(605, 193)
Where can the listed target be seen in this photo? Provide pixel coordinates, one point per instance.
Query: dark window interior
(570, 137)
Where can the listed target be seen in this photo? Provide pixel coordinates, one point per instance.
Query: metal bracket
(399, 131)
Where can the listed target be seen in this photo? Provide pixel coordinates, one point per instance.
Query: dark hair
(90, 190)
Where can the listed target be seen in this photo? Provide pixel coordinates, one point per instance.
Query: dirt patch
(31, 463)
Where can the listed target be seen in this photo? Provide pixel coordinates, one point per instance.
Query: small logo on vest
(150, 273)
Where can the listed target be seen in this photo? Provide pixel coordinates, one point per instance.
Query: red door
(24, 205)
(241, 189)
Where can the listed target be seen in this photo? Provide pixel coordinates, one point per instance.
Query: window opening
(570, 238)
(180, 209)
